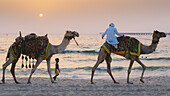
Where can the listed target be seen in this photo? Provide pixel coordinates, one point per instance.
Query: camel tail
(7, 57)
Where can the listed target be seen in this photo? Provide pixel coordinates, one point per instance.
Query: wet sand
(153, 86)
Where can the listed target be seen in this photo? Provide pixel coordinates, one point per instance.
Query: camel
(103, 55)
(53, 49)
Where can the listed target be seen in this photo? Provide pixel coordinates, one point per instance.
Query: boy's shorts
(56, 72)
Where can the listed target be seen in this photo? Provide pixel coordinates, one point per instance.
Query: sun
(41, 15)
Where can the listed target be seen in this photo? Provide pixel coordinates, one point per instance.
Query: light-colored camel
(53, 49)
(103, 55)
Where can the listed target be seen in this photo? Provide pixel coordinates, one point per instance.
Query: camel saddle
(127, 45)
(33, 45)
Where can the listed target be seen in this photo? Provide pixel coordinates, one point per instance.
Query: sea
(76, 62)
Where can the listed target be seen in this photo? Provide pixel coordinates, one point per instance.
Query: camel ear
(20, 33)
(46, 35)
(68, 31)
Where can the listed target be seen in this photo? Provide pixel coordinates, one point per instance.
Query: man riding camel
(111, 38)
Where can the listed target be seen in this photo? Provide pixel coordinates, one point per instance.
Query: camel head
(158, 34)
(71, 34)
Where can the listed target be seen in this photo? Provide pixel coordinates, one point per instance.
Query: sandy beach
(153, 86)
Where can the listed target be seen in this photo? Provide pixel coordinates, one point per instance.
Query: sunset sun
(41, 15)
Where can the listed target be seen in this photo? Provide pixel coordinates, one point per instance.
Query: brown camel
(53, 49)
(103, 55)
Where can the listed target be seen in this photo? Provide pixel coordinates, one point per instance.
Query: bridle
(70, 37)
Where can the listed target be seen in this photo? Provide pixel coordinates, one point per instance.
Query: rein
(76, 41)
(69, 38)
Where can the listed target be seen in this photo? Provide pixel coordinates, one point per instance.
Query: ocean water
(77, 61)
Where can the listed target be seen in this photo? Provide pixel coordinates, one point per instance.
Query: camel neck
(154, 43)
(151, 48)
(60, 48)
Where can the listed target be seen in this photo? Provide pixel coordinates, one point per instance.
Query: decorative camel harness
(127, 45)
(31, 45)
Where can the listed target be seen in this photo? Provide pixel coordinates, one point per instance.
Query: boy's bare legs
(55, 77)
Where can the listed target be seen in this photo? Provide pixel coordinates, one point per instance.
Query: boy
(57, 70)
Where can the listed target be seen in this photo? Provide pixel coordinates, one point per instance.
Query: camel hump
(31, 36)
(127, 38)
(32, 44)
(42, 41)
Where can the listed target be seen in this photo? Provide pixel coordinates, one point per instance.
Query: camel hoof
(116, 82)
(28, 82)
(52, 82)
(141, 80)
(3, 81)
(17, 82)
(92, 82)
(130, 82)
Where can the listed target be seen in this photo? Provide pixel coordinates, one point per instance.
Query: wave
(118, 59)
(82, 51)
(159, 58)
(118, 68)
(83, 71)
(88, 68)
(153, 68)
(2, 51)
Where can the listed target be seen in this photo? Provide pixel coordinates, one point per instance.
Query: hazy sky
(84, 16)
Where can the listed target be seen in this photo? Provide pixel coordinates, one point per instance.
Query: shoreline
(88, 78)
(153, 86)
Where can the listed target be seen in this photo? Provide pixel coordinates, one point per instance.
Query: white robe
(110, 32)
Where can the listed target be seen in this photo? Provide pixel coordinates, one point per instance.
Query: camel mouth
(76, 34)
(164, 35)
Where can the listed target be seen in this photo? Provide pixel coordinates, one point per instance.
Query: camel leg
(11, 59)
(101, 57)
(49, 69)
(144, 68)
(39, 60)
(129, 70)
(108, 61)
(13, 71)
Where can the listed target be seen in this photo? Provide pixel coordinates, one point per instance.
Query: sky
(83, 16)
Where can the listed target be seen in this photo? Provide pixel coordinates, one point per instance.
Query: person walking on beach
(57, 70)
(111, 38)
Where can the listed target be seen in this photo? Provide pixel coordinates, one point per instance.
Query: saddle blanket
(31, 45)
(34, 46)
(16, 52)
(127, 45)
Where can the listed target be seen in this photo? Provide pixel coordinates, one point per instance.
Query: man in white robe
(111, 38)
